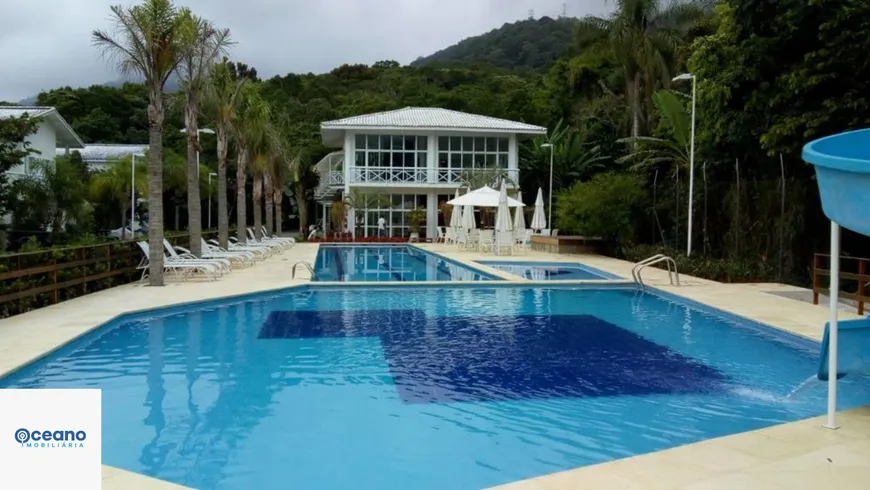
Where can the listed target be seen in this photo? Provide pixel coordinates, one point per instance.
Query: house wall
(44, 141)
(426, 194)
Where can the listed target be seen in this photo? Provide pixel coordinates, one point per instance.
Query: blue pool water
(550, 271)
(426, 387)
(356, 263)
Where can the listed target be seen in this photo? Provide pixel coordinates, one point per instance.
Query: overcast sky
(46, 44)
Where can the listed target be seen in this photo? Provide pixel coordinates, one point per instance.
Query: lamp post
(550, 210)
(133, 193)
(198, 132)
(210, 174)
(694, 79)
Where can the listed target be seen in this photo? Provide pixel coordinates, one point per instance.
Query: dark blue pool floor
(486, 358)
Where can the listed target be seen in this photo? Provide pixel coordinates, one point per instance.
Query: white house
(97, 156)
(54, 134)
(417, 156)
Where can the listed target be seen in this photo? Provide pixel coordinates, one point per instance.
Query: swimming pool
(357, 263)
(426, 387)
(549, 271)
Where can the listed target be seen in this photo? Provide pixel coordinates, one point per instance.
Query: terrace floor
(794, 456)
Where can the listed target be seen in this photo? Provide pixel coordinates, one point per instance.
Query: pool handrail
(656, 259)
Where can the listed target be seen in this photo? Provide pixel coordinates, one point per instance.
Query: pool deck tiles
(794, 456)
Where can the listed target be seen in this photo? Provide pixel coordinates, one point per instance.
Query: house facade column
(431, 214)
(349, 161)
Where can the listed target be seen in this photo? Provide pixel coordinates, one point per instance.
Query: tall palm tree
(643, 36)
(115, 182)
(208, 44)
(150, 40)
(221, 104)
(251, 133)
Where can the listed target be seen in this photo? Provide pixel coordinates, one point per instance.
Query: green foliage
(747, 269)
(13, 148)
(608, 206)
(531, 44)
(416, 219)
(573, 157)
(102, 114)
(50, 194)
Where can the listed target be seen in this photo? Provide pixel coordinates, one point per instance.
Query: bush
(608, 206)
(715, 269)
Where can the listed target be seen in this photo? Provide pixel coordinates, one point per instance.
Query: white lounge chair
(275, 245)
(182, 269)
(233, 245)
(213, 252)
(285, 239)
(223, 265)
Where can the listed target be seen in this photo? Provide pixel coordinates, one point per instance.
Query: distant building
(53, 136)
(98, 156)
(417, 156)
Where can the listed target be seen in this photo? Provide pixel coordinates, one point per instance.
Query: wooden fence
(36, 279)
(853, 279)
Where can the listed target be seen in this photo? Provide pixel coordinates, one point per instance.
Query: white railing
(329, 181)
(390, 175)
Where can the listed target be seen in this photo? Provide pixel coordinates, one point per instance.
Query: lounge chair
(223, 265)
(182, 269)
(213, 252)
(269, 242)
(285, 239)
(257, 248)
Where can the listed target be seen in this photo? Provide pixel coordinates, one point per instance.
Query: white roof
(485, 197)
(425, 118)
(104, 153)
(66, 137)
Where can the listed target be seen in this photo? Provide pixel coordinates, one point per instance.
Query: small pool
(427, 387)
(365, 263)
(550, 271)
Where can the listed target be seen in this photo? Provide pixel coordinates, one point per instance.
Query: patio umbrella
(519, 216)
(503, 215)
(468, 218)
(456, 214)
(485, 197)
(539, 219)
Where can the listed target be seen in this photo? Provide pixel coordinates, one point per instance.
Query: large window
(395, 215)
(393, 151)
(470, 153)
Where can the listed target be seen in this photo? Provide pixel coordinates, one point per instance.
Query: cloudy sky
(46, 43)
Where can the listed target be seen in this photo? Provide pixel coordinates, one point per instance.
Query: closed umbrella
(503, 215)
(456, 214)
(468, 218)
(539, 219)
(519, 216)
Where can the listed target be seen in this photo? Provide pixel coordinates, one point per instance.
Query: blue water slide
(853, 349)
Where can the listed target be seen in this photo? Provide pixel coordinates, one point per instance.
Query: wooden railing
(33, 280)
(853, 279)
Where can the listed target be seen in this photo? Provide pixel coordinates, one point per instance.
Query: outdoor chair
(222, 265)
(504, 240)
(260, 251)
(214, 252)
(485, 240)
(181, 269)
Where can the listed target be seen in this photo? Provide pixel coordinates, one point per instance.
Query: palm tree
(573, 158)
(115, 183)
(150, 40)
(221, 103)
(252, 137)
(301, 182)
(642, 36)
(208, 43)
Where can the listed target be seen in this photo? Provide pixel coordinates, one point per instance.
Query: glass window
(467, 144)
(386, 142)
(409, 201)
(467, 160)
(421, 159)
(443, 143)
(455, 160)
(490, 160)
(503, 144)
(479, 160)
(397, 160)
(396, 200)
(421, 201)
(374, 142)
(422, 142)
(398, 142)
(502, 160)
(374, 159)
(442, 160)
(410, 143)
(410, 159)
(360, 142)
(479, 144)
(455, 143)
(360, 159)
(491, 144)
(372, 217)
(396, 218)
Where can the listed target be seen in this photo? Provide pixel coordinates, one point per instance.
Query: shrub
(715, 269)
(608, 206)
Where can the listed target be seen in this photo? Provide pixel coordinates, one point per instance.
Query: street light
(133, 192)
(198, 132)
(693, 78)
(550, 212)
(210, 174)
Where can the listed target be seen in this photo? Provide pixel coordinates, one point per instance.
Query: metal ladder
(307, 267)
(673, 275)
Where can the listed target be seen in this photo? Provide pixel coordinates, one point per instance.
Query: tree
(573, 159)
(253, 138)
(643, 36)
(51, 193)
(115, 183)
(197, 62)
(608, 206)
(150, 40)
(222, 105)
(14, 148)
(359, 201)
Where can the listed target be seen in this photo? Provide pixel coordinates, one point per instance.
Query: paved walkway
(800, 455)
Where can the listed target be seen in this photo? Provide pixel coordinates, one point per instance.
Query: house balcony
(446, 177)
